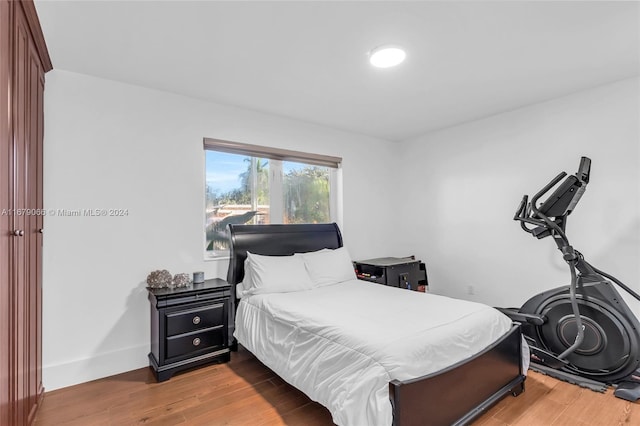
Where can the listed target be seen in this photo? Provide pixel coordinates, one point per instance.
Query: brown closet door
(28, 90)
(5, 221)
(39, 234)
(23, 62)
(20, 307)
(33, 224)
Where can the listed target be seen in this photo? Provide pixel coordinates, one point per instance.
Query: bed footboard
(464, 391)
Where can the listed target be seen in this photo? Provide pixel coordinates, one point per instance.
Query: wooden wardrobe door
(39, 224)
(6, 239)
(23, 61)
(19, 250)
(33, 225)
(28, 95)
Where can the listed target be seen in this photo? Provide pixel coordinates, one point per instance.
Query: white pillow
(276, 274)
(239, 291)
(312, 252)
(245, 285)
(326, 267)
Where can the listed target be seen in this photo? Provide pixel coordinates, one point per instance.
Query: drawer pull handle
(196, 341)
(196, 320)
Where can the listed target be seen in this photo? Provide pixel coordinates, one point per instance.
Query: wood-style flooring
(244, 392)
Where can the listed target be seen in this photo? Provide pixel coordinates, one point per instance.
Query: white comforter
(342, 344)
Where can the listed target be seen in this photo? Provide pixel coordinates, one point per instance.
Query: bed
(371, 354)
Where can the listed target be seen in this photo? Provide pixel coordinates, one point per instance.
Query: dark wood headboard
(277, 240)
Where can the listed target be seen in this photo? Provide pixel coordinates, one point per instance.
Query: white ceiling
(308, 60)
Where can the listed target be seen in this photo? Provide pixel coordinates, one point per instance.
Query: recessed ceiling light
(386, 56)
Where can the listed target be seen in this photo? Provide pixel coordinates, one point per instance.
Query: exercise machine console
(583, 333)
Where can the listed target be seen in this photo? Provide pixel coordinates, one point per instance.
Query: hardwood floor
(244, 392)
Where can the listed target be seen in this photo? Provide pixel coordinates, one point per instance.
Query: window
(261, 185)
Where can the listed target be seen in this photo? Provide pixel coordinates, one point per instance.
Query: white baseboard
(56, 376)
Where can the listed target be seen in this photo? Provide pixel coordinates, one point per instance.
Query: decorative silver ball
(159, 279)
(181, 280)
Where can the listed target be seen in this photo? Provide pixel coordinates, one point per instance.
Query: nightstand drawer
(196, 341)
(196, 319)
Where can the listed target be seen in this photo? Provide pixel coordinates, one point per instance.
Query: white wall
(447, 197)
(111, 145)
(463, 185)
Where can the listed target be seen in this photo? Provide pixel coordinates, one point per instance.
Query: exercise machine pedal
(569, 378)
(629, 391)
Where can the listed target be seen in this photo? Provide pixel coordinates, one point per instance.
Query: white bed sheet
(342, 344)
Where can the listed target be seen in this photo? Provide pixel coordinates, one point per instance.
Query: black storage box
(404, 272)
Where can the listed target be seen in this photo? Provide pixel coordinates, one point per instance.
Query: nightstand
(190, 326)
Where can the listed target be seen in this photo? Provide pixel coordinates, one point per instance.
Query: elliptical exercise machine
(583, 333)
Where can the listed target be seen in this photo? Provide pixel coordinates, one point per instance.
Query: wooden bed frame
(455, 395)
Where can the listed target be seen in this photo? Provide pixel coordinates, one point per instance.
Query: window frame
(275, 175)
(272, 153)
